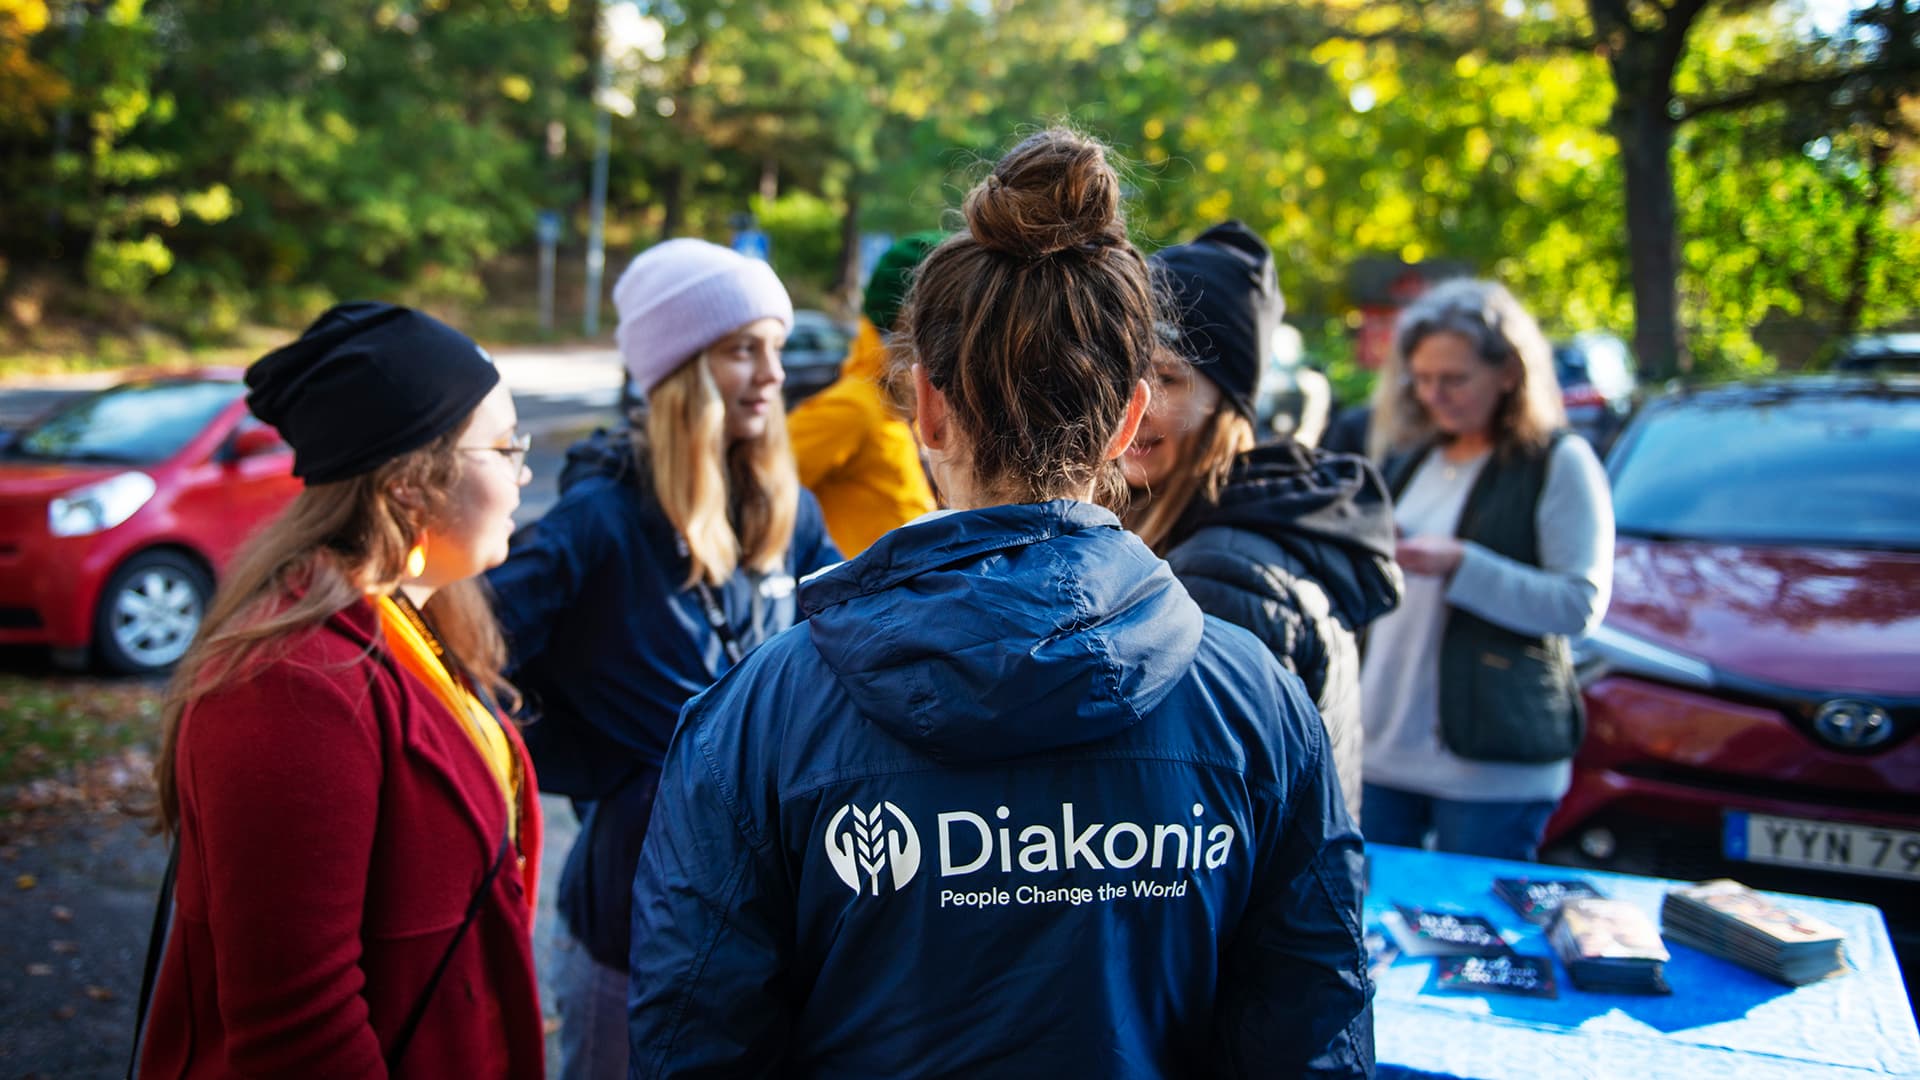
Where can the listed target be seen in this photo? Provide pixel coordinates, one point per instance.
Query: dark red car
(118, 511)
(1754, 694)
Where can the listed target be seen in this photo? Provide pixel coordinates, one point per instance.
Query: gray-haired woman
(1469, 704)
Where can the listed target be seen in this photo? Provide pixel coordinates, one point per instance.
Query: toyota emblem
(1853, 725)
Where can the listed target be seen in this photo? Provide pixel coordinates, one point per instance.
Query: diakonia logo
(867, 842)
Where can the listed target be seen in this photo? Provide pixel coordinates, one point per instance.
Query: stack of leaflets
(1438, 933)
(1474, 957)
(1539, 900)
(1528, 976)
(1735, 923)
(1610, 946)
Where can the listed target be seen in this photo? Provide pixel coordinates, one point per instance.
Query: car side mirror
(253, 442)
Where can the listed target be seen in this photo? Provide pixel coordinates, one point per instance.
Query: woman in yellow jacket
(853, 448)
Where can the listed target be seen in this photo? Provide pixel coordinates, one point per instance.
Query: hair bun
(1053, 192)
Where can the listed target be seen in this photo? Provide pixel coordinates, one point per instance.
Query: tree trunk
(769, 179)
(584, 20)
(1646, 147)
(847, 282)
(673, 201)
(1642, 61)
(1855, 304)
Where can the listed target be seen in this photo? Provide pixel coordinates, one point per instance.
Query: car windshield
(135, 422)
(1829, 470)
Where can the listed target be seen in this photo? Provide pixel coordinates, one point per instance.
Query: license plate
(1823, 845)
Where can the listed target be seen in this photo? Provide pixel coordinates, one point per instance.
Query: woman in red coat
(357, 830)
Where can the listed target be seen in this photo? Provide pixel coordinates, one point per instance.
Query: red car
(118, 511)
(1753, 696)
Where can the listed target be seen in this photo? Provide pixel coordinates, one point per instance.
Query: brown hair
(1037, 321)
(334, 544)
(1200, 473)
(1502, 334)
(731, 505)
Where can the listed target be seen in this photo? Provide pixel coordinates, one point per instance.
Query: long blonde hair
(732, 505)
(1503, 334)
(1200, 472)
(333, 545)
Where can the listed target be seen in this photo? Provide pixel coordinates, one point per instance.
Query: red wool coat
(334, 823)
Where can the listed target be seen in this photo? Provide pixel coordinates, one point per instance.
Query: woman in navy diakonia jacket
(1007, 803)
(674, 549)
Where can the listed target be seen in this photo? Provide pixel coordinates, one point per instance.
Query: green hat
(892, 275)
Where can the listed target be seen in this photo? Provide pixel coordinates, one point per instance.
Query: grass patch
(51, 725)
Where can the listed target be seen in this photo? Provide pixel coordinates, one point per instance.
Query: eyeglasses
(515, 451)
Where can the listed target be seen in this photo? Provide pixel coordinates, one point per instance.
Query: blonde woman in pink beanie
(673, 551)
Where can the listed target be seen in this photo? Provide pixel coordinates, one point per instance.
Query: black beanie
(365, 384)
(1229, 305)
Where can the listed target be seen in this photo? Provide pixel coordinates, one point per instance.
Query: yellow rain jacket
(856, 455)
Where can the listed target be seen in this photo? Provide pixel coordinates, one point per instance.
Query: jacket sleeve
(712, 921)
(1254, 594)
(548, 569)
(1567, 593)
(1295, 998)
(813, 549)
(284, 771)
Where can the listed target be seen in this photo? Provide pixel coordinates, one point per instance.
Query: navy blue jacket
(607, 645)
(1007, 804)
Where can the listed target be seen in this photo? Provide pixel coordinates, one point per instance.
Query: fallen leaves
(50, 723)
(121, 781)
(25, 882)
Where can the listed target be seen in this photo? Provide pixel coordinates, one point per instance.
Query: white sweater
(1566, 594)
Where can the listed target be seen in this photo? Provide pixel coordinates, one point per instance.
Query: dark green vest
(1504, 695)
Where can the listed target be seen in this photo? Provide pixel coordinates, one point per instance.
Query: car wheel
(149, 612)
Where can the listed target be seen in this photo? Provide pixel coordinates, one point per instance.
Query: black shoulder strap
(412, 1024)
(404, 1036)
(156, 947)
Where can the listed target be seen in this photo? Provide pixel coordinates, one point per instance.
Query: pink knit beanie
(680, 296)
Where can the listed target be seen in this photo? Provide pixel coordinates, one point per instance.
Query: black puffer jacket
(1299, 550)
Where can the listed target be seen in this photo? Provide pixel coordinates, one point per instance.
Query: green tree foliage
(228, 153)
(1797, 230)
(214, 159)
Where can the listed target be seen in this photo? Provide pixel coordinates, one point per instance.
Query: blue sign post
(754, 244)
(546, 229)
(872, 246)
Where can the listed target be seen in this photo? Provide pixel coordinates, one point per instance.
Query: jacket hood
(983, 635)
(603, 453)
(1330, 511)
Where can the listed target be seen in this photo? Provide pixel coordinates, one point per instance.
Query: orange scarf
(484, 730)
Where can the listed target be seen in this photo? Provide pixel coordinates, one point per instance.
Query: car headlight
(99, 507)
(1607, 650)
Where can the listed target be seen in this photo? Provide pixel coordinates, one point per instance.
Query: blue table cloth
(1720, 1021)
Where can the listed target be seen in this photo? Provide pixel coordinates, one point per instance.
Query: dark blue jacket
(607, 645)
(1007, 804)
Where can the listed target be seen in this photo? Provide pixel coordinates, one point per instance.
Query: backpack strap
(156, 947)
